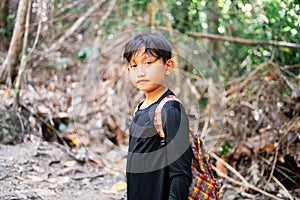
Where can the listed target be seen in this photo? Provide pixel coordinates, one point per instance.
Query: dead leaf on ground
(40, 192)
(107, 191)
(6, 158)
(35, 178)
(70, 163)
(43, 109)
(120, 186)
(222, 168)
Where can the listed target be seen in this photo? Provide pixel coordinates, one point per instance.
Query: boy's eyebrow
(144, 56)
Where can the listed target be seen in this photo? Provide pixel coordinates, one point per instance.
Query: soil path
(39, 170)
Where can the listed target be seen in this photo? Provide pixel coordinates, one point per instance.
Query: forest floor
(40, 170)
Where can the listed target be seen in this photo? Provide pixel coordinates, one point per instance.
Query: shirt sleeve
(179, 154)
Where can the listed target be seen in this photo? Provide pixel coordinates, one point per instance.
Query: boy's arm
(179, 188)
(179, 154)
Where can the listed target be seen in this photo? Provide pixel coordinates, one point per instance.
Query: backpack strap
(196, 143)
(158, 119)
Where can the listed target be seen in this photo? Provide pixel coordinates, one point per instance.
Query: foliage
(254, 20)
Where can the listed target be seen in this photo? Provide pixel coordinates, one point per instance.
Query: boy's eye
(148, 63)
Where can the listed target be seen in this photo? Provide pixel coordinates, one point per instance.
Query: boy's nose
(140, 70)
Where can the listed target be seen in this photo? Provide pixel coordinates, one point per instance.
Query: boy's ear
(170, 66)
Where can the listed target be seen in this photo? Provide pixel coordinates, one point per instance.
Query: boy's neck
(153, 96)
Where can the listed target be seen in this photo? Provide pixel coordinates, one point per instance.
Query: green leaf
(286, 29)
(225, 148)
(202, 102)
(2, 30)
(287, 92)
(81, 55)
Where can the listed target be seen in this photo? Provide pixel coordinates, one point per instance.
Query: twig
(279, 73)
(233, 92)
(23, 64)
(205, 127)
(75, 26)
(108, 12)
(12, 57)
(274, 164)
(25, 57)
(280, 170)
(244, 41)
(71, 5)
(217, 137)
(244, 181)
(38, 32)
(54, 130)
(248, 78)
(69, 16)
(242, 184)
(291, 66)
(282, 186)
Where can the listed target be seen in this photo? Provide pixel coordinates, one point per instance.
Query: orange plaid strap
(157, 116)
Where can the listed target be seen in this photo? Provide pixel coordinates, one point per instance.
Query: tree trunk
(152, 9)
(214, 16)
(3, 23)
(8, 68)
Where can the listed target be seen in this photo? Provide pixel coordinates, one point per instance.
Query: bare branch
(24, 56)
(75, 26)
(108, 12)
(243, 182)
(15, 47)
(244, 41)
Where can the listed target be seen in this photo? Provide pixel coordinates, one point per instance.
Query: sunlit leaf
(120, 186)
(70, 163)
(35, 178)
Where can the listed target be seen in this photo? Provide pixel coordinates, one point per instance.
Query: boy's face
(147, 72)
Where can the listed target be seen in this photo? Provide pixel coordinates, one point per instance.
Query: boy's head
(154, 44)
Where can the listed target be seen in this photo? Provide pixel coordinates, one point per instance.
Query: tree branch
(24, 56)
(12, 58)
(243, 182)
(75, 26)
(244, 41)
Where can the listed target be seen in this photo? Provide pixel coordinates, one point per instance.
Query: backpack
(204, 186)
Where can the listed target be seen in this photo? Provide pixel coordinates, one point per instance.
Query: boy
(156, 169)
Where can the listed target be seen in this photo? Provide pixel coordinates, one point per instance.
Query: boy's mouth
(142, 81)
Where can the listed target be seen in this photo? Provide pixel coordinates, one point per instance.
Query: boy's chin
(150, 88)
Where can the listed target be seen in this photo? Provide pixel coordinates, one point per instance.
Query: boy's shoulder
(169, 102)
(166, 102)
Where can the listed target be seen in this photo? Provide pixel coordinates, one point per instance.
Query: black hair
(154, 43)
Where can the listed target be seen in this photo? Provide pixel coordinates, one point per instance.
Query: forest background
(57, 86)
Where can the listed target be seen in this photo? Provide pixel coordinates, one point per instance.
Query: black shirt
(154, 171)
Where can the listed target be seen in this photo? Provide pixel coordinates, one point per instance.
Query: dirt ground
(40, 170)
